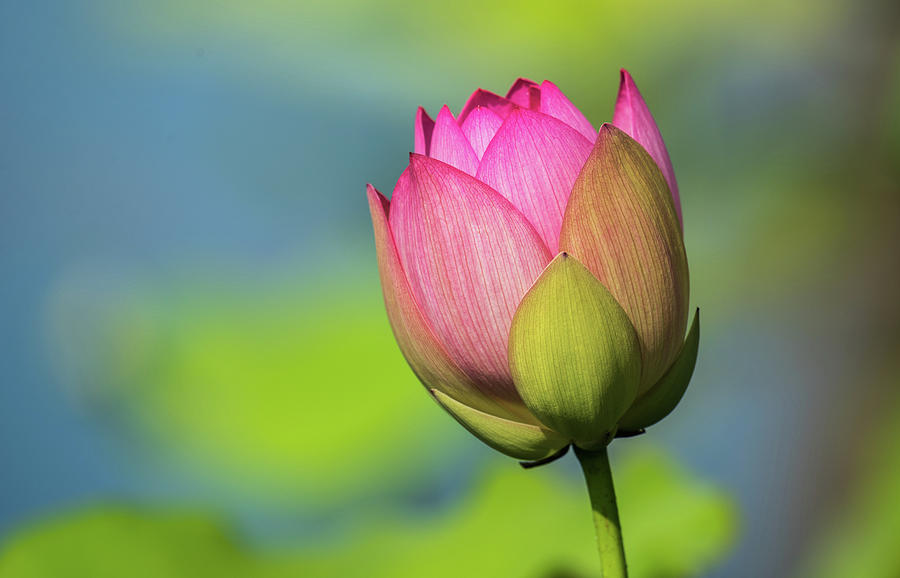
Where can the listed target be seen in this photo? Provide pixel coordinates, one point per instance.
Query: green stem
(606, 514)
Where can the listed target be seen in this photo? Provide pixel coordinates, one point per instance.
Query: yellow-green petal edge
(519, 440)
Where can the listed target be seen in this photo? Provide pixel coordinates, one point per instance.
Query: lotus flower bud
(534, 270)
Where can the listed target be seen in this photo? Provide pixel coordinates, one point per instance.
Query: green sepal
(573, 353)
(662, 398)
(516, 439)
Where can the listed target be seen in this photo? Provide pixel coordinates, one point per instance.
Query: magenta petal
(555, 103)
(449, 144)
(424, 127)
(533, 161)
(424, 352)
(525, 93)
(469, 256)
(486, 99)
(480, 127)
(633, 116)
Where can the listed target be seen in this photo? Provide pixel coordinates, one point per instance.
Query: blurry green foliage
(118, 541)
(517, 523)
(385, 48)
(862, 538)
(298, 388)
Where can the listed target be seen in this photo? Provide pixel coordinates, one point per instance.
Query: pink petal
(449, 144)
(533, 161)
(555, 103)
(525, 93)
(469, 256)
(633, 116)
(486, 99)
(421, 347)
(424, 127)
(480, 127)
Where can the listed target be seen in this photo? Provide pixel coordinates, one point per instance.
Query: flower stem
(598, 476)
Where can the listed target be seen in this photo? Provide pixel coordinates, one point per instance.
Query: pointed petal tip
(373, 193)
(525, 92)
(555, 103)
(449, 143)
(520, 81)
(418, 161)
(562, 258)
(608, 130)
(376, 199)
(487, 99)
(423, 129)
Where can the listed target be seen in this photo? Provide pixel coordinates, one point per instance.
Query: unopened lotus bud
(534, 269)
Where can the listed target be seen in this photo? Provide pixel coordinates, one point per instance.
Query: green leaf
(112, 541)
(665, 395)
(278, 385)
(519, 440)
(574, 354)
(513, 522)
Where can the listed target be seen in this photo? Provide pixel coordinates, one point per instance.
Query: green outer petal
(665, 395)
(573, 353)
(621, 223)
(519, 440)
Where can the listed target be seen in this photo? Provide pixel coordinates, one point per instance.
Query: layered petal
(450, 145)
(486, 99)
(620, 222)
(480, 127)
(519, 440)
(574, 355)
(525, 93)
(423, 351)
(665, 395)
(424, 127)
(533, 161)
(555, 103)
(633, 116)
(469, 256)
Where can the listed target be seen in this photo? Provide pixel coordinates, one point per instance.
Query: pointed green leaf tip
(519, 440)
(573, 353)
(665, 395)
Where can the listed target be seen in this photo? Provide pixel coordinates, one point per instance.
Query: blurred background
(198, 374)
